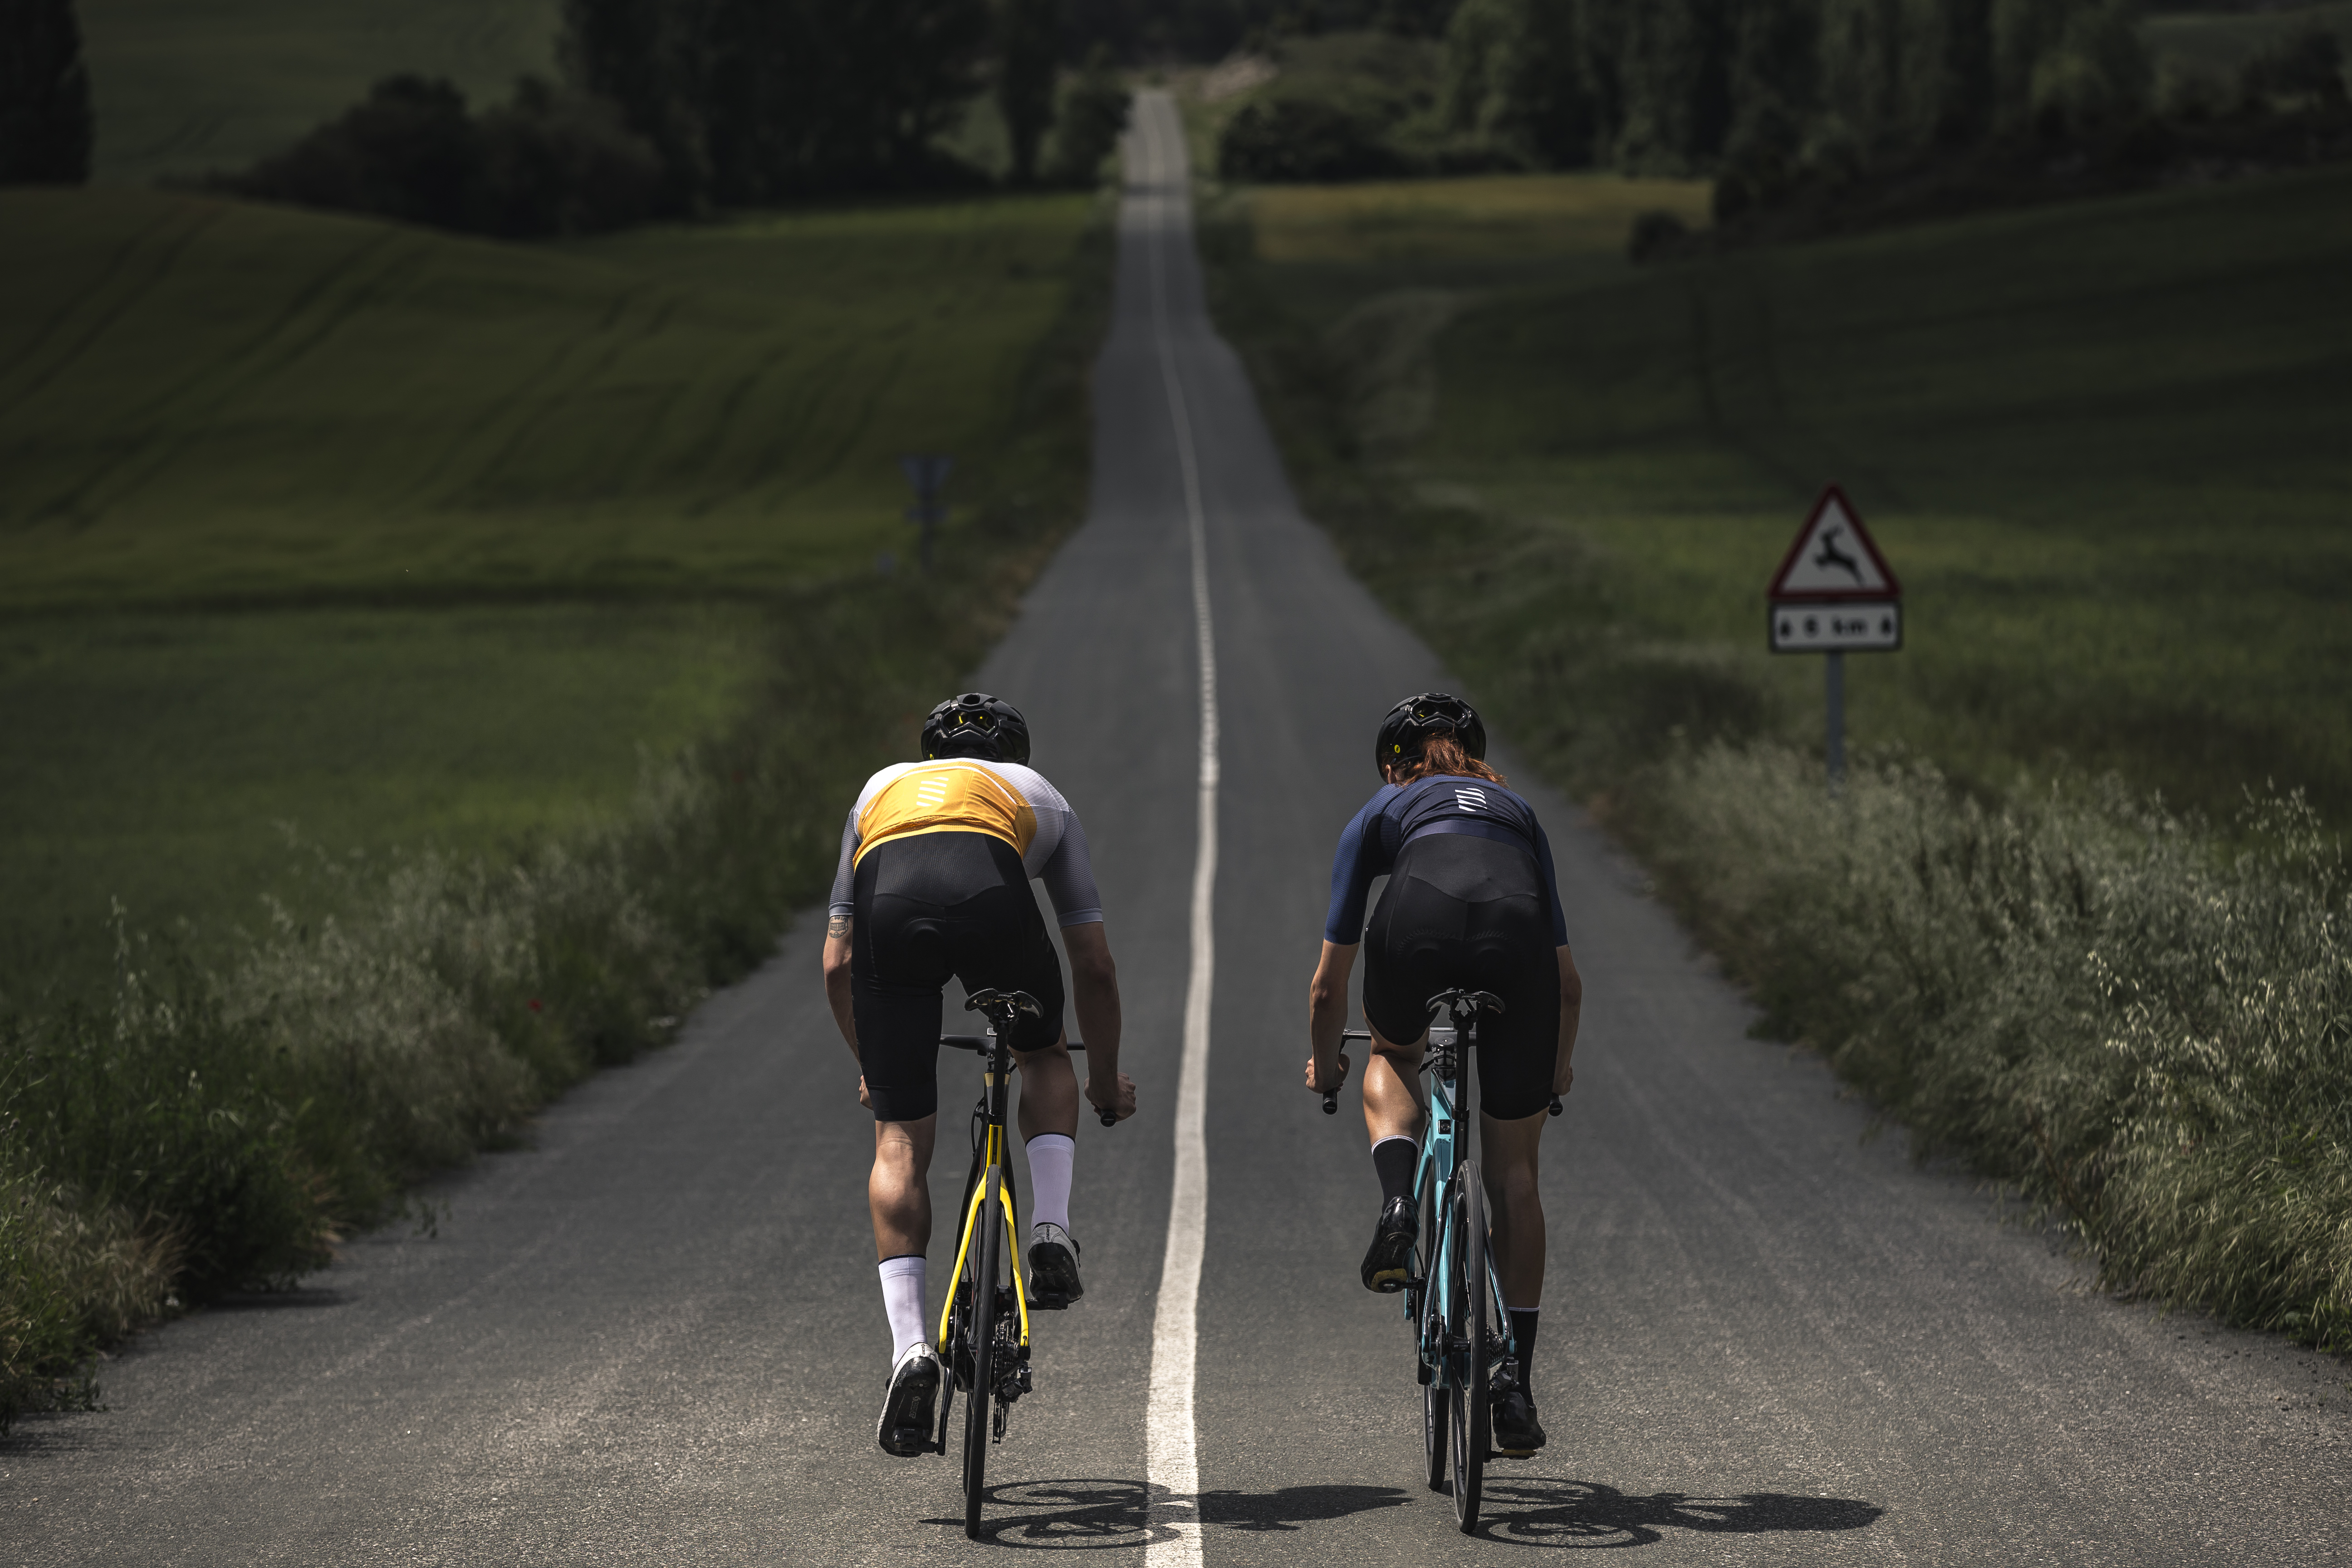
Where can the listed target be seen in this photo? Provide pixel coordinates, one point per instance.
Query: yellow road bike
(983, 1340)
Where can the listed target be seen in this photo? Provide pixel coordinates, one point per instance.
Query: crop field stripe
(136, 290)
(309, 321)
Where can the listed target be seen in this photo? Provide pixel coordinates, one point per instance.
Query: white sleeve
(1069, 876)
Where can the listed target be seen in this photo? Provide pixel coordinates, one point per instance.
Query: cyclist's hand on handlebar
(1118, 1100)
(1561, 1078)
(863, 1098)
(1331, 1082)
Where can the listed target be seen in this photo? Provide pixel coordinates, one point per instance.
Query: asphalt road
(655, 1336)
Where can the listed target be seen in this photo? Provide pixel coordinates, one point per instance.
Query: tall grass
(2140, 1021)
(2081, 994)
(210, 1130)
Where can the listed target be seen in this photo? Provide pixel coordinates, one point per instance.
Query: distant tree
(805, 95)
(2047, 50)
(1512, 76)
(2097, 73)
(1861, 65)
(548, 162)
(1028, 51)
(1949, 71)
(45, 130)
(1094, 110)
(1604, 30)
(1676, 73)
(1293, 137)
(1775, 52)
(2308, 64)
(408, 150)
(1417, 19)
(641, 55)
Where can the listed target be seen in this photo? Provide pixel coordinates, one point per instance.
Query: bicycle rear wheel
(981, 1261)
(1436, 1398)
(1466, 1331)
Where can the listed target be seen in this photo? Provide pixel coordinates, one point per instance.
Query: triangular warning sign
(1835, 558)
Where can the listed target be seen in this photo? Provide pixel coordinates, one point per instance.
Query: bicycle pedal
(1049, 1303)
(1511, 1453)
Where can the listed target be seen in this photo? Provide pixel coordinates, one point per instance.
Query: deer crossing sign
(1834, 592)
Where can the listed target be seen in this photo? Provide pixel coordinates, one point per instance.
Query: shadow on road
(1522, 1511)
(1537, 1510)
(1067, 1515)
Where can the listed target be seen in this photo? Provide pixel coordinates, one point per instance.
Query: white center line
(1171, 1461)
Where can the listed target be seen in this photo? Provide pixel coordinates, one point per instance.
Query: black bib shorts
(1461, 911)
(929, 907)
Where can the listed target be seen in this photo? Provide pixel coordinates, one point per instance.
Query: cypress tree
(1952, 65)
(1028, 42)
(640, 57)
(45, 129)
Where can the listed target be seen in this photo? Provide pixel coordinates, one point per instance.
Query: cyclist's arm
(1327, 1015)
(840, 912)
(1572, 1013)
(1094, 993)
(837, 978)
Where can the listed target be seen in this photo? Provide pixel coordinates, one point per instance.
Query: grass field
(398, 538)
(2103, 446)
(187, 86)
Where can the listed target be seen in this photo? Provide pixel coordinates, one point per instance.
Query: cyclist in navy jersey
(1472, 901)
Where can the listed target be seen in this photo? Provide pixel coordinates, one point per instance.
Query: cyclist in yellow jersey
(936, 860)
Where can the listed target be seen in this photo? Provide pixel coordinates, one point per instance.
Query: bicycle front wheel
(981, 1261)
(1465, 1337)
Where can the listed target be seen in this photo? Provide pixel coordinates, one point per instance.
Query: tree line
(1686, 85)
(663, 108)
(1776, 98)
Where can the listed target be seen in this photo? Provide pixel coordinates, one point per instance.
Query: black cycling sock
(1396, 1160)
(1523, 1335)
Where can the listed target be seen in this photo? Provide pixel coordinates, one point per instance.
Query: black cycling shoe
(908, 1409)
(1053, 1268)
(1517, 1432)
(1388, 1264)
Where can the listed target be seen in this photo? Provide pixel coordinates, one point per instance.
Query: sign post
(1834, 594)
(927, 472)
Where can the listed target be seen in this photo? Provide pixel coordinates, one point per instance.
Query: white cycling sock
(1050, 1155)
(903, 1279)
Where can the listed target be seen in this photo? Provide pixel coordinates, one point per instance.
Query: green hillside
(2102, 444)
(210, 401)
(398, 538)
(187, 86)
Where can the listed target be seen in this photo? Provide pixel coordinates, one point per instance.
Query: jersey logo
(1471, 799)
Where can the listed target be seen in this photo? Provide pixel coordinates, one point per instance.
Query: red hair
(1441, 753)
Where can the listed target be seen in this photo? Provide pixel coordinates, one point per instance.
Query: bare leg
(900, 1190)
(1515, 1219)
(1392, 1108)
(1049, 1091)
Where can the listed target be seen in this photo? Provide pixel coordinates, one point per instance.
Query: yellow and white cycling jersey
(970, 794)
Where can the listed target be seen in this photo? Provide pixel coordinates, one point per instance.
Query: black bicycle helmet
(976, 725)
(1415, 719)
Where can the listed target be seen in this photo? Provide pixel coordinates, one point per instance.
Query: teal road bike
(1453, 1300)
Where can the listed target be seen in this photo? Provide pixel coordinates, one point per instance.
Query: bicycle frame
(1443, 1062)
(990, 1171)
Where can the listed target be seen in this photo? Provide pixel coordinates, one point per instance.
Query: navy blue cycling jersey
(1441, 803)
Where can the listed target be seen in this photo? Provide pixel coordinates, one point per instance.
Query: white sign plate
(1834, 558)
(1849, 625)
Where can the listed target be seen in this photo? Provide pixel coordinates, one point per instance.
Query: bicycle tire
(1436, 1408)
(982, 1260)
(1468, 1279)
